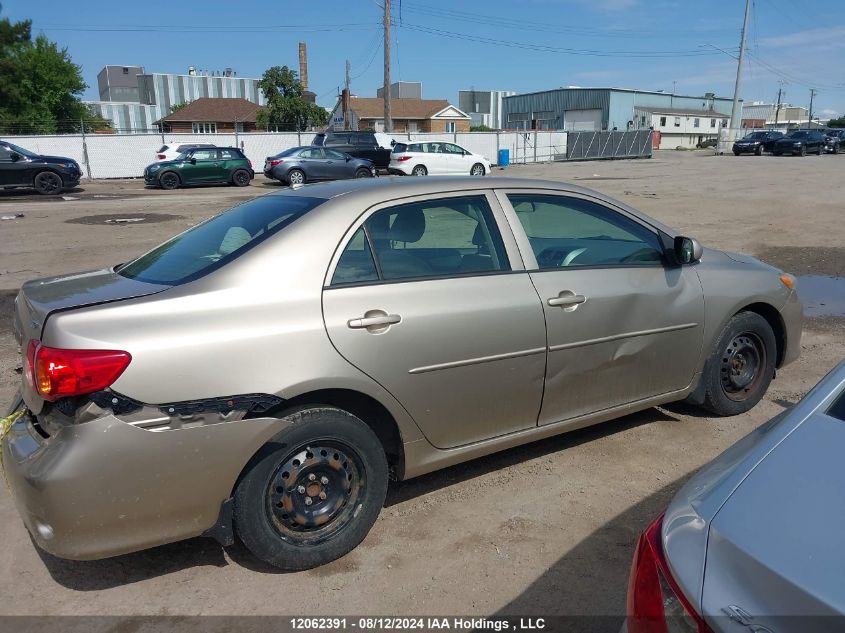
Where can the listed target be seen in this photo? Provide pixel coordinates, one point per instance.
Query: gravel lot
(544, 529)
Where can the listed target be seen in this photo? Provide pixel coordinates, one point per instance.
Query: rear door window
(230, 154)
(436, 238)
(217, 241)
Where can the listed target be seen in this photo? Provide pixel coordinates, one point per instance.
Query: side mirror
(348, 158)
(687, 250)
(192, 160)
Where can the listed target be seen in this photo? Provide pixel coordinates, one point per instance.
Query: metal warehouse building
(681, 119)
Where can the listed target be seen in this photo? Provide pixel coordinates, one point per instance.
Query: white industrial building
(680, 127)
(484, 106)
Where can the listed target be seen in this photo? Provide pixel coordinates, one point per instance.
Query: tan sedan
(265, 373)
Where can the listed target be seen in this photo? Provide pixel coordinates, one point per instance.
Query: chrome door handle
(373, 321)
(567, 299)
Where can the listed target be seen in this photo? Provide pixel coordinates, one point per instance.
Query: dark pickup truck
(358, 144)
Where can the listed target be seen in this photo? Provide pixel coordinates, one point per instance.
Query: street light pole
(813, 93)
(388, 121)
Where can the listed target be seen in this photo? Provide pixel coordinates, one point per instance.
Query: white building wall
(681, 130)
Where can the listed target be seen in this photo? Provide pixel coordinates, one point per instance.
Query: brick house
(409, 115)
(209, 115)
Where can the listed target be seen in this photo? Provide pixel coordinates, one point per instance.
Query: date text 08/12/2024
(417, 624)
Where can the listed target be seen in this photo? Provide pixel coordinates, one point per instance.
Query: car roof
(366, 192)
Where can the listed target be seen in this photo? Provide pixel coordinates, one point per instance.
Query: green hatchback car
(202, 166)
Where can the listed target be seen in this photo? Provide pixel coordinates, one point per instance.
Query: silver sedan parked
(754, 541)
(298, 165)
(266, 372)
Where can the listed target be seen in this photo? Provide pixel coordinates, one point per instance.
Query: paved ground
(547, 528)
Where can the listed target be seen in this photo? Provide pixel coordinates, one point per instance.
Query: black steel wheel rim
(316, 491)
(49, 182)
(743, 362)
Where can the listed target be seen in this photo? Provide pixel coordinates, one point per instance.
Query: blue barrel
(504, 157)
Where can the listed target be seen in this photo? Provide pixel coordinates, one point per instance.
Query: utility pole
(345, 100)
(736, 116)
(813, 93)
(388, 120)
(777, 108)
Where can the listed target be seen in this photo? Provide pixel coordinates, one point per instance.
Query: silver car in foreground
(266, 372)
(755, 540)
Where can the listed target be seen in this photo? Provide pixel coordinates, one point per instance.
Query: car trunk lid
(782, 530)
(40, 298)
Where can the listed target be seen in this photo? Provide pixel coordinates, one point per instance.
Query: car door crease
(477, 360)
(616, 337)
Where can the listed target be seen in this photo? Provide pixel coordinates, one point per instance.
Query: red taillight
(249, 162)
(161, 156)
(655, 602)
(275, 162)
(60, 373)
(403, 158)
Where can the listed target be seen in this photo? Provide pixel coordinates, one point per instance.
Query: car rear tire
(48, 183)
(169, 180)
(736, 152)
(362, 172)
(419, 170)
(477, 170)
(741, 367)
(313, 492)
(241, 178)
(803, 151)
(758, 151)
(821, 149)
(296, 177)
(836, 149)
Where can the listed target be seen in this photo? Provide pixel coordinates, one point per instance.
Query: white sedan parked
(436, 158)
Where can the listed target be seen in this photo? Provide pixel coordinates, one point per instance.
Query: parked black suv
(46, 174)
(372, 146)
(757, 142)
(800, 142)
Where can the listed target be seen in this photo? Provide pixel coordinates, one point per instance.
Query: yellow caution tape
(5, 426)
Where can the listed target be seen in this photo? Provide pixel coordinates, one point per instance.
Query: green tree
(287, 108)
(178, 106)
(40, 86)
(480, 128)
(840, 122)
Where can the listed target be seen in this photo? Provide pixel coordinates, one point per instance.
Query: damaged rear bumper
(105, 487)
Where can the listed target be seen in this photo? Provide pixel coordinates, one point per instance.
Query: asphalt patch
(117, 219)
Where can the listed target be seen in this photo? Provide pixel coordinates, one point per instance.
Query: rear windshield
(288, 152)
(163, 149)
(399, 148)
(217, 241)
(837, 409)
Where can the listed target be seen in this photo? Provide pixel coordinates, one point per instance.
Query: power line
(700, 52)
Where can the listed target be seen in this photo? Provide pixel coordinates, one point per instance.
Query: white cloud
(821, 37)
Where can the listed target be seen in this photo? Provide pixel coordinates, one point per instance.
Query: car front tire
(48, 183)
(477, 170)
(741, 367)
(362, 172)
(313, 492)
(169, 180)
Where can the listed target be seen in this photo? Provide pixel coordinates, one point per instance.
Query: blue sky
(523, 45)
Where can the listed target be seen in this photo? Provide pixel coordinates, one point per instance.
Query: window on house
(204, 127)
(712, 122)
(677, 121)
(695, 122)
(125, 71)
(642, 121)
(663, 121)
(451, 126)
(518, 116)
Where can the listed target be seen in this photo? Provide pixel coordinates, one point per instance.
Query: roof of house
(216, 109)
(373, 107)
(684, 112)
